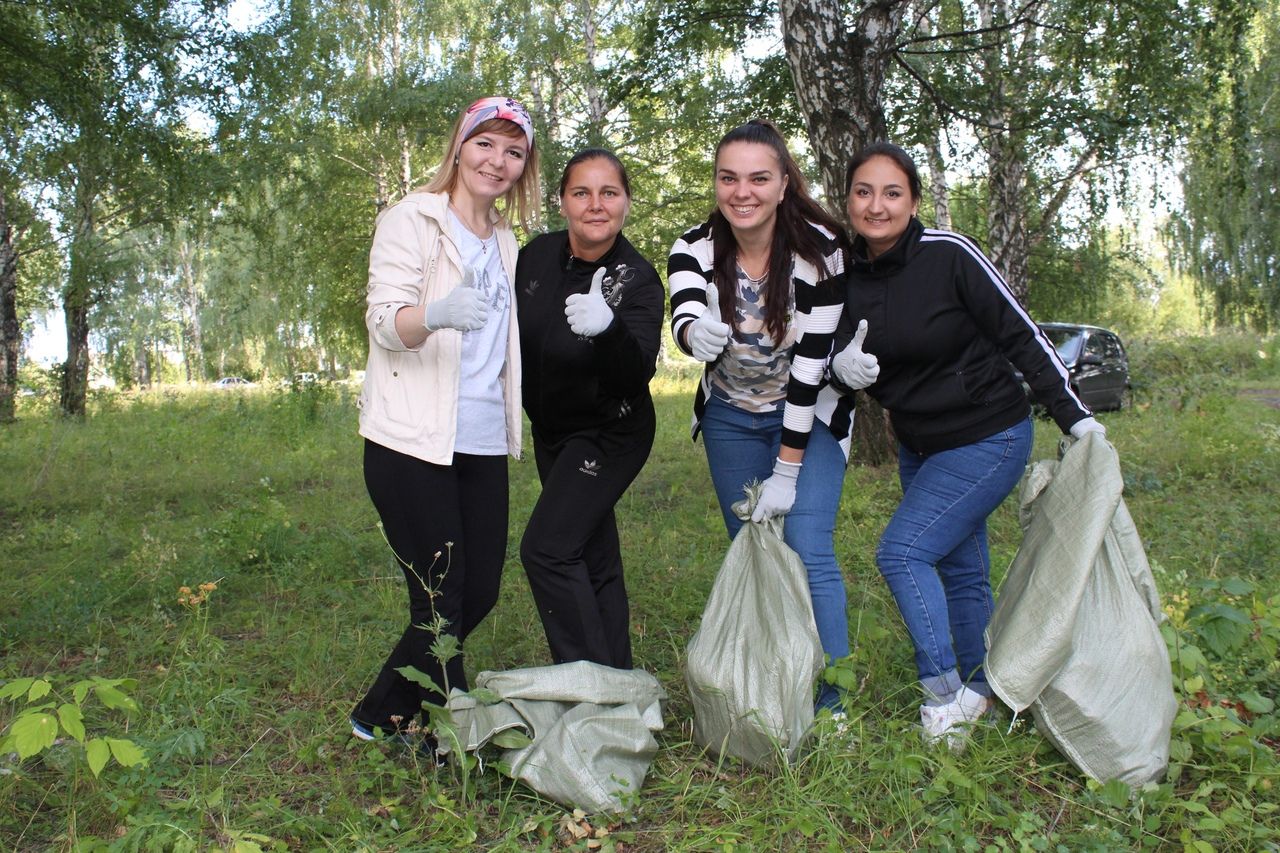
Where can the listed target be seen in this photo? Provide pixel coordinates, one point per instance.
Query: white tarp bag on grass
(591, 729)
(1075, 634)
(753, 662)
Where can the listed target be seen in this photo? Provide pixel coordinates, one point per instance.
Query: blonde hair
(522, 203)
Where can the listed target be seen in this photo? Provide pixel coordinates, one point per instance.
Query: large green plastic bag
(590, 728)
(754, 659)
(1075, 634)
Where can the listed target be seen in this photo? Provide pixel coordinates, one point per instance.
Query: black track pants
(448, 526)
(570, 549)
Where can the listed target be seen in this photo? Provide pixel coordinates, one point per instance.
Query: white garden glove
(1080, 429)
(853, 367)
(463, 308)
(777, 493)
(588, 313)
(707, 336)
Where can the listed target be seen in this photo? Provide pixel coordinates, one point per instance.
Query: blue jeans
(934, 555)
(741, 447)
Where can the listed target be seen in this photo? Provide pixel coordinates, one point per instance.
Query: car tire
(1125, 403)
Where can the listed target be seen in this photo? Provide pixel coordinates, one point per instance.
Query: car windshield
(1066, 342)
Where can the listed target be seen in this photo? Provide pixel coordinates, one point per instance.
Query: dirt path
(1266, 396)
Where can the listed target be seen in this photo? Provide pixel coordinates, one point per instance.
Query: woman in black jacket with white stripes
(936, 330)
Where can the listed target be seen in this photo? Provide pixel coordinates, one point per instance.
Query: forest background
(193, 187)
(192, 184)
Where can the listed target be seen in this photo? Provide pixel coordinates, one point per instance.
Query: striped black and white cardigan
(819, 301)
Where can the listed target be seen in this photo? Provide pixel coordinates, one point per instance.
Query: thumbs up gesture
(462, 309)
(853, 367)
(707, 336)
(588, 314)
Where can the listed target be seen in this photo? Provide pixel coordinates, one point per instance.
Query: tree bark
(939, 189)
(1006, 152)
(838, 72)
(1006, 212)
(193, 331)
(77, 298)
(595, 98)
(929, 128)
(141, 364)
(10, 329)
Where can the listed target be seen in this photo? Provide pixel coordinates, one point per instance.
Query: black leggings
(447, 524)
(570, 549)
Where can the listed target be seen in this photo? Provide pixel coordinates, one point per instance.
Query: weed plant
(110, 526)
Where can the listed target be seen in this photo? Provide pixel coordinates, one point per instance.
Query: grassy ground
(240, 698)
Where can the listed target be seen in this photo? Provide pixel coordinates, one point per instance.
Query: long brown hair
(792, 234)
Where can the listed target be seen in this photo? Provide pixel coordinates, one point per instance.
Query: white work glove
(853, 367)
(463, 309)
(777, 493)
(588, 314)
(1080, 429)
(707, 336)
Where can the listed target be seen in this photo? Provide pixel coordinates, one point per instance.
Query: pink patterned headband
(489, 108)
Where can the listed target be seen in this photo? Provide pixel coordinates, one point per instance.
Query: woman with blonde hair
(440, 406)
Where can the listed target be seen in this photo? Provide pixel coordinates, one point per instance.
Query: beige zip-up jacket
(409, 402)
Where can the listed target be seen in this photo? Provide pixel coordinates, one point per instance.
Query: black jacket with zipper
(945, 328)
(573, 384)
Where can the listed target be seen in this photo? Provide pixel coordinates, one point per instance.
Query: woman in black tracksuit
(590, 311)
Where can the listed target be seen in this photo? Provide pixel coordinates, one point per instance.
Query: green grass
(242, 702)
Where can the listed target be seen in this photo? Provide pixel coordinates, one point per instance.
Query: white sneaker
(951, 721)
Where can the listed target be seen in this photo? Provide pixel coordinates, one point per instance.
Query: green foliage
(1232, 222)
(35, 728)
(243, 698)
(1189, 372)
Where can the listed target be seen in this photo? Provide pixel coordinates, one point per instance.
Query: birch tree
(838, 66)
(1231, 231)
(107, 82)
(1062, 95)
(10, 330)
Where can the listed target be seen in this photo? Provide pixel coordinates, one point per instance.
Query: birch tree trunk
(10, 330)
(939, 189)
(929, 128)
(193, 300)
(595, 98)
(838, 71)
(77, 298)
(1006, 214)
(1007, 240)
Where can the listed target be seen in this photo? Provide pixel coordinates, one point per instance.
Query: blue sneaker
(423, 745)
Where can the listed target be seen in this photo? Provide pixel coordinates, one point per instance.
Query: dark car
(1097, 362)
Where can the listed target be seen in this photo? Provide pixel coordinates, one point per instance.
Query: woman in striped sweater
(756, 293)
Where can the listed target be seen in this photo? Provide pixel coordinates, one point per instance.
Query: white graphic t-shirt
(482, 423)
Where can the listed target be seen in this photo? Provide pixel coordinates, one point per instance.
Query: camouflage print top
(753, 373)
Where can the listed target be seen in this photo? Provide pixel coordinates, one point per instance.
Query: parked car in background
(232, 382)
(1097, 361)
